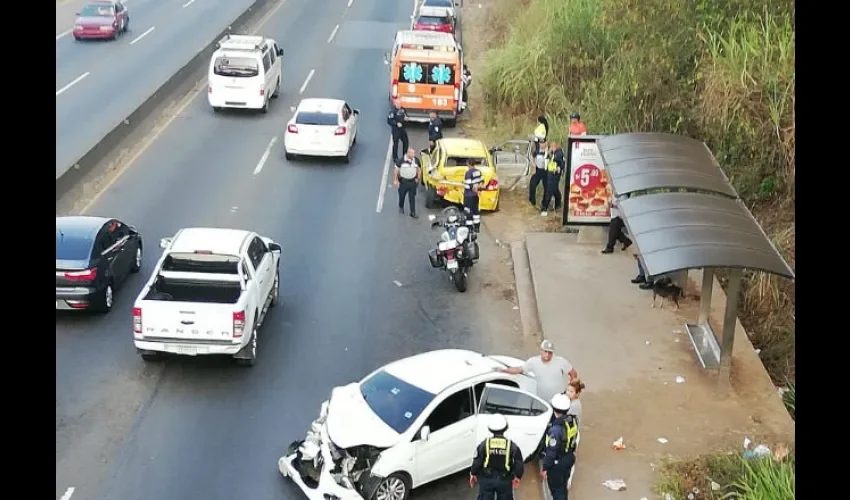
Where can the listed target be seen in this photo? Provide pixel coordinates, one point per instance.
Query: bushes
(722, 72)
(739, 478)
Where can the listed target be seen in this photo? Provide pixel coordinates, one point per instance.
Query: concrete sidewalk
(630, 356)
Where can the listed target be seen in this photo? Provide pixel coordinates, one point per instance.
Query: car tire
(275, 290)
(77, 38)
(105, 299)
(289, 156)
(127, 24)
(276, 92)
(265, 108)
(430, 197)
(253, 359)
(149, 357)
(216, 109)
(136, 266)
(347, 158)
(396, 486)
(451, 122)
(355, 140)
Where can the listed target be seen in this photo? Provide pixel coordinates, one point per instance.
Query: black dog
(666, 289)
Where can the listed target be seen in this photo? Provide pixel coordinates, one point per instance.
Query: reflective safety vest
(551, 166)
(540, 132)
(571, 427)
(498, 446)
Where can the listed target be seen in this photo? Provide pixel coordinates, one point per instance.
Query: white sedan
(411, 422)
(322, 127)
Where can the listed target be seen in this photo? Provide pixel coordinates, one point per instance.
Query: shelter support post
(705, 296)
(730, 320)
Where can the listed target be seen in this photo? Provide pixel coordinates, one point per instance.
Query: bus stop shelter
(682, 213)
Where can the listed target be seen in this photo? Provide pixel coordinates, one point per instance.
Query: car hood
(95, 21)
(351, 422)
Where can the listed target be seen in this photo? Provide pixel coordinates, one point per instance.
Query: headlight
(462, 234)
(106, 28)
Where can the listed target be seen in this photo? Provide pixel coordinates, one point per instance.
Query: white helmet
(497, 423)
(561, 403)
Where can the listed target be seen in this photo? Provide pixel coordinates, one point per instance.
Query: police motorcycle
(457, 249)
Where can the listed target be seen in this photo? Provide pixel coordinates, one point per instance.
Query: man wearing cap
(562, 438)
(497, 465)
(548, 369)
(576, 125)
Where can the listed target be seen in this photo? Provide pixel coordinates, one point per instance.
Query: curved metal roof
(644, 161)
(677, 231)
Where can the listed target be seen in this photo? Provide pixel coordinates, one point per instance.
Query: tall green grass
(739, 478)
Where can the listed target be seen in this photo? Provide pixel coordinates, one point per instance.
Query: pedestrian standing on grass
(549, 371)
(576, 125)
(554, 167)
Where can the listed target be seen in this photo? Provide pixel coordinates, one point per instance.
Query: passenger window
(272, 55)
(266, 62)
(509, 403)
(256, 251)
(453, 409)
(479, 388)
(345, 114)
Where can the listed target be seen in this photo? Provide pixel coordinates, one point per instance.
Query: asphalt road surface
(99, 83)
(205, 428)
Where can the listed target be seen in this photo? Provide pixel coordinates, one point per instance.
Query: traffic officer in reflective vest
(541, 132)
(473, 183)
(497, 464)
(435, 131)
(561, 440)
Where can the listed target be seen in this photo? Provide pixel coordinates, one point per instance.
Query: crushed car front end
(324, 471)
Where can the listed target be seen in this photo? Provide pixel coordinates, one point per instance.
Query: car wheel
(105, 299)
(149, 357)
(430, 197)
(216, 109)
(355, 140)
(127, 24)
(347, 157)
(265, 108)
(253, 359)
(137, 261)
(275, 290)
(450, 123)
(396, 486)
(289, 156)
(77, 38)
(276, 93)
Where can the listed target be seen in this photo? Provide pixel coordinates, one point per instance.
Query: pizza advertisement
(590, 192)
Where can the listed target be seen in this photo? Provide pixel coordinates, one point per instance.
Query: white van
(245, 72)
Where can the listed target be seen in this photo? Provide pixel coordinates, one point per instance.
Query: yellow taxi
(444, 169)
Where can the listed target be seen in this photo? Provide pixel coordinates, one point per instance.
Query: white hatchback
(321, 127)
(411, 422)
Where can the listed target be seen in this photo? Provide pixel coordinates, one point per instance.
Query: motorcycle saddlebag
(436, 260)
(472, 249)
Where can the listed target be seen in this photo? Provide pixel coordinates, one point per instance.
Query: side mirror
(274, 247)
(356, 111)
(424, 433)
(280, 51)
(164, 243)
(386, 59)
(76, 13)
(432, 217)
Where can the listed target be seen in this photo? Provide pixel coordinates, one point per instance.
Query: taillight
(87, 275)
(137, 320)
(457, 91)
(262, 92)
(292, 129)
(238, 324)
(450, 254)
(395, 89)
(493, 185)
(209, 89)
(339, 131)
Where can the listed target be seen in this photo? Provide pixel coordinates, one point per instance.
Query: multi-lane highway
(99, 83)
(206, 428)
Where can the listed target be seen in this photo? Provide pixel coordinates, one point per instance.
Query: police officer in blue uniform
(561, 440)
(555, 164)
(497, 466)
(473, 182)
(435, 131)
(397, 120)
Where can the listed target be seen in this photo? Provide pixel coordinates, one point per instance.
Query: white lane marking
(266, 153)
(68, 493)
(74, 82)
(333, 34)
(350, 2)
(304, 87)
(66, 32)
(190, 2)
(158, 132)
(382, 188)
(146, 33)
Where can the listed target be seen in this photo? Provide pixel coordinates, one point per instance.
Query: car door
(121, 14)
(512, 161)
(262, 261)
(268, 71)
(527, 415)
(125, 248)
(277, 59)
(105, 251)
(451, 440)
(352, 119)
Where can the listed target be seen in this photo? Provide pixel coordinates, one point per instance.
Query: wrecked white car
(411, 422)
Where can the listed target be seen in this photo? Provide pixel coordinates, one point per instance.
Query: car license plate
(187, 350)
(452, 264)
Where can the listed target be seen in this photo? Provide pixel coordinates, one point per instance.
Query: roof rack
(241, 42)
(426, 40)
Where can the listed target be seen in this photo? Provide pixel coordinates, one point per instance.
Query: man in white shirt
(549, 371)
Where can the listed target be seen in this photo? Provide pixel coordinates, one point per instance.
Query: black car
(93, 257)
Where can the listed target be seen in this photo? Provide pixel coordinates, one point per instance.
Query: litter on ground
(615, 484)
(680, 379)
(663, 440)
(619, 444)
(715, 486)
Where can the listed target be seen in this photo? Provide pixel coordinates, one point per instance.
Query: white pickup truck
(209, 294)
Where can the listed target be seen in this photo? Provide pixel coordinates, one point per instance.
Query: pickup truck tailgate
(189, 322)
